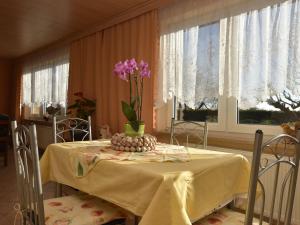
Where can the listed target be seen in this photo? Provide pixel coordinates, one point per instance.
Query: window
(192, 70)
(44, 85)
(240, 70)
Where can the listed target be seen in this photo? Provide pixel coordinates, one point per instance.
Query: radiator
(268, 184)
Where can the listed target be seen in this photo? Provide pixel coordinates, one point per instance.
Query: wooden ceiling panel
(26, 25)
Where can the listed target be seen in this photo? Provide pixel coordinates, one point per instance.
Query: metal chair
(66, 210)
(193, 131)
(262, 166)
(279, 161)
(71, 129)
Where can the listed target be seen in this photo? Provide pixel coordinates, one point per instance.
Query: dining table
(172, 185)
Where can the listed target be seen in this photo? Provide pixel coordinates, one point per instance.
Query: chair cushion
(225, 217)
(80, 210)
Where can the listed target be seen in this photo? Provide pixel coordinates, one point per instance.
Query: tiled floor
(8, 191)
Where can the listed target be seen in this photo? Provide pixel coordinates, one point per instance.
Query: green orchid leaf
(135, 125)
(128, 111)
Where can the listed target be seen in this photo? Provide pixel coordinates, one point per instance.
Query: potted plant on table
(133, 73)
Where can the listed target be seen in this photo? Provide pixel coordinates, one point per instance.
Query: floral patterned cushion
(225, 217)
(80, 210)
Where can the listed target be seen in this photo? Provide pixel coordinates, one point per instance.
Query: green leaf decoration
(129, 112)
(79, 169)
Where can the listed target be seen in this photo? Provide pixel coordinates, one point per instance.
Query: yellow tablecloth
(163, 193)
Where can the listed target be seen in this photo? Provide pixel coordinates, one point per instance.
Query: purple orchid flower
(120, 71)
(131, 66)
(144, 69)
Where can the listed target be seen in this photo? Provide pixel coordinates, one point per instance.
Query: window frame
(234, 126)
(227, 120)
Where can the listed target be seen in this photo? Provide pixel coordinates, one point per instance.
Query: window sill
(240, 142)
(38, 122)
(223, 142)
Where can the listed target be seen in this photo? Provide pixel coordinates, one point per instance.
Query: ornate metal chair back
(29, 183)
(186, 132)
(71, 129)
(284, 163)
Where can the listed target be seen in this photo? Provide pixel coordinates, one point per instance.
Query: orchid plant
(134, 73)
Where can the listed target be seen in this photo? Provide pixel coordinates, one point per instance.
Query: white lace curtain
(245, 49)
(190, 64)
(268, 44)
(45, 80)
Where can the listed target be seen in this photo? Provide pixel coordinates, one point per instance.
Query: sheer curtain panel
(268, 48)
(45, 82)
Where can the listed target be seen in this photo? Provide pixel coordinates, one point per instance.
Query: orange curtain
(16, 91)
(92, 60)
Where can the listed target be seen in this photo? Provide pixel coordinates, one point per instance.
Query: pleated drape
(16, 92)
(92, 60)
